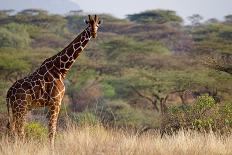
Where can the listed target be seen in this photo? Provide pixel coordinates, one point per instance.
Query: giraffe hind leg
(19, 116)
(20, 123)
(11, 128)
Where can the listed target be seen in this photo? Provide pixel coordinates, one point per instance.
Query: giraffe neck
(59, 64)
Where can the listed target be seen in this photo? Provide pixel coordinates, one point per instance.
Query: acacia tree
(228, 18)
(156, 16)
(156, 88)
(195, 19)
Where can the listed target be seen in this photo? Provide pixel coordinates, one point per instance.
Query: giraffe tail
(8, 113)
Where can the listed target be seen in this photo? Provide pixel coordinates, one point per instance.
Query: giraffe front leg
(54, 112)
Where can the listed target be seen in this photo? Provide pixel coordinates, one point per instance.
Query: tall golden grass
(98, 140)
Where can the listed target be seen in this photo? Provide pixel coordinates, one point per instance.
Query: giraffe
(45, 86)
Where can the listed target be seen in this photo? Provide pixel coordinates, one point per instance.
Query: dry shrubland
(98, 140)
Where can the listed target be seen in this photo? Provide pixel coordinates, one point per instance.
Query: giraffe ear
(95, 17)
(100, 22)
(86, 22)
(90, 17)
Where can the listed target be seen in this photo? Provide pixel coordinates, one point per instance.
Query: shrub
(108, 90)
(35, 130)
(205, 115)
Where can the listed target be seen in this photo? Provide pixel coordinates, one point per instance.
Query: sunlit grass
(98, 140)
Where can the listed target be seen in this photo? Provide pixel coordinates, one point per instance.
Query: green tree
(228, 18)
(195, 19)
(12, 65)
(14, 35)
(4, 14)
(156, 16)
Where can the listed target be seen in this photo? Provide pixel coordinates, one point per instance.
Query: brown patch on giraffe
(38, 83)
(26, 86)
(48, 77)
(39, 92)
(85, 42)
(76, 54)
(57, 62)
(70, 51)
(54, 91)
(68, 65)
(49, 65)
(62, 65)
(63, 71)
(17, 85)
(33, 83)
(13, 91)
(78, 39)
(82, 39)
(86, 35)
(55, 72)
(42, 70)
(77, 45)
(64, 58)
(20, 90)
(23, 96)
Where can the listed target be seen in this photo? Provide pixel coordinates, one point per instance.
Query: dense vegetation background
(137, 71)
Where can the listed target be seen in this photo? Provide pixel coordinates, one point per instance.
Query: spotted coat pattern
(45, 86)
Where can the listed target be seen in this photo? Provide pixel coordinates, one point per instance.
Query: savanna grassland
(98, 140)
(144, 75)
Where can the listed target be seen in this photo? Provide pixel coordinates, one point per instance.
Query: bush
(204, 116)
(35, 130)
(108, 90)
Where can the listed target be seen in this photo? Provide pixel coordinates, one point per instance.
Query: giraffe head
(93, 23)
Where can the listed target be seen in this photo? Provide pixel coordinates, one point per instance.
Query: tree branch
(140, 94)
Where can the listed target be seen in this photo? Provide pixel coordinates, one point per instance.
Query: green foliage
(3, 89)
(204, 115)
(213, 37)
(226, 33)
(75, 22)
(12, 64)
(204, 102)
(35, 130)
(148, 52)
(128, 47)
(120, 114)
(228, 18)
(14, 35)
(81, 79)
(156, 16)
(108, 90)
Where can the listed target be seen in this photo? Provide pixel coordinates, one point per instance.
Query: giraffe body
(45, 86)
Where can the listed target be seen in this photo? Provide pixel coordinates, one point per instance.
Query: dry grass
(97, 140)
